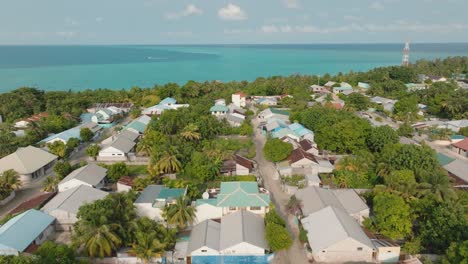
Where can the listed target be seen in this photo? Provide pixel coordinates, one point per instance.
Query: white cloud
(286, 29)
(188, 11)
(291, 3)
(269, 29)
(99, 19)
(352, 18)
(377, 6)
(232, 12)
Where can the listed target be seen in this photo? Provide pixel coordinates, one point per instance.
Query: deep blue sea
(117, 67)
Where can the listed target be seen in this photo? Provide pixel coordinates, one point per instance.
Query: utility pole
(406, 51)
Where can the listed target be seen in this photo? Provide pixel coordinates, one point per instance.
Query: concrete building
(118, 147)
(154, 198)
(24, 232)
(91, 175)
(239, 99)
(30, 163)
(64, 206)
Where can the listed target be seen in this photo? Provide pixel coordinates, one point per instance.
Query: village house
(238, 165)
(455, 125)
(166, 104)
(415, 86)
(64, 206)
(273, 113)
(309, 146)
(315, 199)
(103, 116)
(24, 123)
(329, 84)
(233, 197)
(154, 198)
(119, 147)
(122, 107)
(25, 232)
(318, 89)
(386, 250)
(30, 163)
(234, 119)
(343, 90)
(239, 234)
(91, 175)
(461, 147)
(334, 236)
(139, 125)
(74, 132)
(125, 184)
(219, 110)
(239, 99)
(267, 100)
(299, 158)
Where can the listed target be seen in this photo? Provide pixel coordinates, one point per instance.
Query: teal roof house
(233, 197)
(154, 198)
(218, 110)
(24, 232)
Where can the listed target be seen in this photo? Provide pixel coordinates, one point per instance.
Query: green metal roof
(206, 201)
(443, 159)
(241, 194)
(219, 108)
(279, 112)
(138, 126)
(169, 194)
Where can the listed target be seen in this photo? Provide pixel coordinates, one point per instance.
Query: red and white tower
(406, 50)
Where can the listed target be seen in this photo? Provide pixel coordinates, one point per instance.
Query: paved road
(296, 254)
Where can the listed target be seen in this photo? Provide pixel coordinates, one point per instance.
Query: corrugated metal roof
(242, 226)
(91, 174)
(219, 108)
(23, 229)
(168, 100)
(330, 226)
(241, 194)
(205, 234)
(71, 200)
(26, 160)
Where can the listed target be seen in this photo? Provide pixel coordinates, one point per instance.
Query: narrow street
(296, 254)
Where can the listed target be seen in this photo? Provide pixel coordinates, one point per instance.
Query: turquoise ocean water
(117, 67)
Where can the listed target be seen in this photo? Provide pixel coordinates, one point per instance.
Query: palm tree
(147, 246)
(10, 179)
(36, 129)
(190, 132)
(97, 240)
(50, 184)
(168, 163)
(440, 186)
(144, 147)
(179, 214)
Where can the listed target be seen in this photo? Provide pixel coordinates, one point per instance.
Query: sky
(29, 22)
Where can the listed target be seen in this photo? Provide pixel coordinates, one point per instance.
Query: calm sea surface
(117, 67)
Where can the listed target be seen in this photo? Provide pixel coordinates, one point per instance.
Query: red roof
(244, 162)
(35, 118)
(305, 144)
(32, 203)
(299, 154)
(462, 144)
(126, 180)
(241, 94)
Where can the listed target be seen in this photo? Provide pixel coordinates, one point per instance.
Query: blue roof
(363, 85)
(295, 126)
(168, 100)
(65, 135)
(343, 88)
(457, 137)
(20, 231)
(206, 201)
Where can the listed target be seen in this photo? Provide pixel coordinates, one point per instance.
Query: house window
(204, 250)
(359, 248)
(255, 208)
(232, 208)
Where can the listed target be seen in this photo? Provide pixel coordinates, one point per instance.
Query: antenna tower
(406, 50)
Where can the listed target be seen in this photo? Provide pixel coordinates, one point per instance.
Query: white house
(387, 251)
(24, 123)
(24, 232)
(166, 104)
(270, 101)
(273, 113)
(241, 233)
(239, 99)
(124, 184)
(207, 209)
(334, 236)
(118, 147)
(91, 175)
(219, 110)
(64, 206)
(102, 116)
(30, 163)
(154, 198)
(299, 158)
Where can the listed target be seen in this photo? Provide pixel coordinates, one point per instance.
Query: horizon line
(225, 44)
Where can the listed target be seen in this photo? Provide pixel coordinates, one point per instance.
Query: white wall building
(91, 175)
(239, 99)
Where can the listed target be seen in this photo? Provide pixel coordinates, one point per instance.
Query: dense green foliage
(276, 234)
(381, 136)
(276, 150)
(392, 215)
(86, 134)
